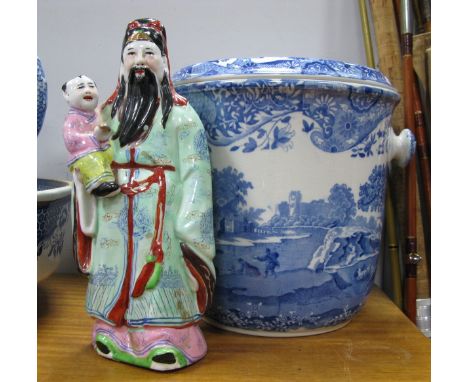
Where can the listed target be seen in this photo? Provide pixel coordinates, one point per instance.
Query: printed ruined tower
(283, 210)
(295, 198)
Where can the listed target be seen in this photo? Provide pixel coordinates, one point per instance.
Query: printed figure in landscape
(86, 140)
(271, 259)
(150, 254)
(248, 269)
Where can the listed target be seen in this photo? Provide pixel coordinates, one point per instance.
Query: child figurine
(86, 140)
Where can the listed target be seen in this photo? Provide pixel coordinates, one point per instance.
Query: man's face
(141, 55)
(81, 93)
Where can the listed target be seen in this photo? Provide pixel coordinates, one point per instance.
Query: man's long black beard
(137, 109)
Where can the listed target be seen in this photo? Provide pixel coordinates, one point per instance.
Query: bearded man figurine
(149, 249)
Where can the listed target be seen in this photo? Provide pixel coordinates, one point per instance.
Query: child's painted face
(81, 93)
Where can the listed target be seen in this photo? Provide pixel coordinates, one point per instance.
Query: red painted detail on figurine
(202, 273)
(133, 25)
(156, 24)
(112, 98)
(143, 278)
(132, 188)
(201, 292)
(156, 244)
(145, 23)
(83, 245)
(177, 98)
(118, 311)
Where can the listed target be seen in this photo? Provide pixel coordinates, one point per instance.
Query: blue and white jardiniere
(300, 149)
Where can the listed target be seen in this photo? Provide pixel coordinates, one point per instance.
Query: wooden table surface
(379, 344)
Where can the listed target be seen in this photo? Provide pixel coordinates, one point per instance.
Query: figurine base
(264, 333)
(156, 348)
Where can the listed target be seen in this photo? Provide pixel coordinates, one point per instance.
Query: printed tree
(253, 215)
(342, 204)
(372, 193)
(229, 190)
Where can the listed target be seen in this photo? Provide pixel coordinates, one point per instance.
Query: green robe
(181, 147)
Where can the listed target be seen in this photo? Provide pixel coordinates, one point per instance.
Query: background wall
(85, 36)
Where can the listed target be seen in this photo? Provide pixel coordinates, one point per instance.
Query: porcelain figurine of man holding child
(147, 246)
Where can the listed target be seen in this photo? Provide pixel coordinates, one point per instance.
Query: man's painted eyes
(146, 53)
(80, 86)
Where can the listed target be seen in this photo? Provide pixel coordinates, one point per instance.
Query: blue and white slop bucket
(300, 150)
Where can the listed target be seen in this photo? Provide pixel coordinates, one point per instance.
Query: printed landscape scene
(310, 265)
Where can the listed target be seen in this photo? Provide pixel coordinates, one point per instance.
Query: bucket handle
(401, 147)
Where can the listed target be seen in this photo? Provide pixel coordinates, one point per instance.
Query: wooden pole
(393, 249)
(366, 34)
(422, 123)
(412, 257)
(422, 150)
(389, 63)
(428, 71)
(419, 27)
(426, 14)
(391, 235)
(421, 43)
(389, 56)
(396, 11)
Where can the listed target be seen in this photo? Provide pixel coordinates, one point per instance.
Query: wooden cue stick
(391, 235)
(420, 43)
(393, 249)
(423, 204)
(396, 9)
(423, 154)
(390, 63)
(366, 34)
(417, 16)
(426, 15)
(423, 279)
(428, 70)
(424, 192)
(389, 58)
(412, 257)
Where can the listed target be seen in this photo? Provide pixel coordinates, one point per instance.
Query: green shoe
(161, 358)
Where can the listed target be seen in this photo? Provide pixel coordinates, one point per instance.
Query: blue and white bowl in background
(41, 95)
(300, 150)
(53, 211)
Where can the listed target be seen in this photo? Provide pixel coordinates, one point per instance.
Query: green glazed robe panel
(188, 219)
